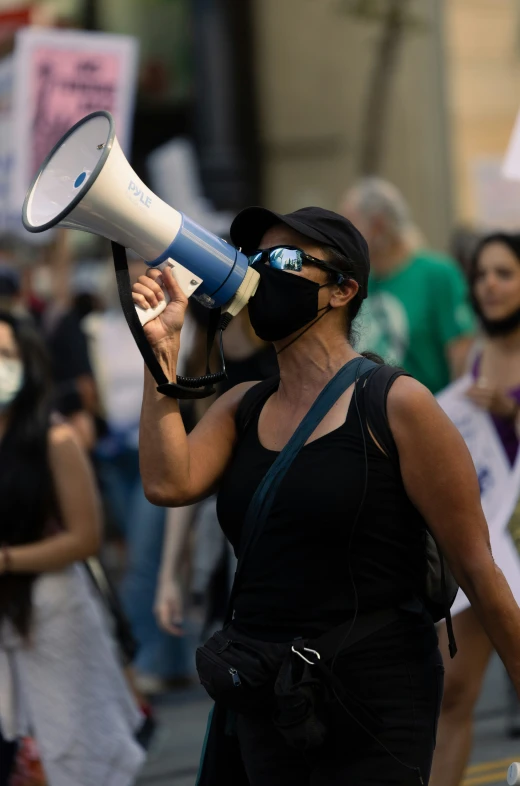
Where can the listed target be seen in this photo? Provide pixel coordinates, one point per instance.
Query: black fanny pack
(291, 682)
(240, 672)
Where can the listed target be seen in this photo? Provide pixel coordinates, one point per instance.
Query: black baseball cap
(316, 223)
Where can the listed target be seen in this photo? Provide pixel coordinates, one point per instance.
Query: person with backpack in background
(493, 386)
(328, 669)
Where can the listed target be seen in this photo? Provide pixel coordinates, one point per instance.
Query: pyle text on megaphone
(87, 183)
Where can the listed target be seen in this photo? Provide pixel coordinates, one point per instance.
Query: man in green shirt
(417, 314)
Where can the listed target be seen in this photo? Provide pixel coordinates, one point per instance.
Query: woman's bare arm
(440, 479)
(79, 508)
(178, 470)
(168, 605)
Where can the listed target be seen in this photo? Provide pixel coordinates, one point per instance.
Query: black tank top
(297, 581)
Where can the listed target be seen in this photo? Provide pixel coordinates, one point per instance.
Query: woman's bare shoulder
(230, 400)
(407, 392)
(411, 406)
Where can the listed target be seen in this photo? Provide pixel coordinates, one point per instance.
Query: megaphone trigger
(187, 281)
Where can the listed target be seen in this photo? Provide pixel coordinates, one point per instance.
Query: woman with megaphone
(331, 478)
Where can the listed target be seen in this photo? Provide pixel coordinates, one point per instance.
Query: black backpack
(440, 587)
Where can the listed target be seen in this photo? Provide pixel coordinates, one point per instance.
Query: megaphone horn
(86, 183)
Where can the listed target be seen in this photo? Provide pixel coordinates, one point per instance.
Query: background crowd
(414, 167)
(418, 315)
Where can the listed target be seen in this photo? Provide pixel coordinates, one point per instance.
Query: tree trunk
(90, 15)
(379, 90)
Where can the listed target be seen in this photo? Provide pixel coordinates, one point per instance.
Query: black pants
(405, 696)
(7, 754)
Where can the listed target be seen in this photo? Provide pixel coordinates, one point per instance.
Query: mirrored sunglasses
(291, 258)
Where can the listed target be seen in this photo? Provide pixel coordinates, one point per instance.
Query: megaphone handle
(176, 390)
(147, 314)
(187, 281)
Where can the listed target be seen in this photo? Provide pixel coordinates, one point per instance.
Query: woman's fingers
(170, 619)
(172, 287)
(152, 282)
(152, 272)
(147, 292)
(168, 609)
(140, 300)
(479, 396)
(152, 296)
(166, 279)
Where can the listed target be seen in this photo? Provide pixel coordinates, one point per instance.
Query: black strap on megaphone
(185, 387)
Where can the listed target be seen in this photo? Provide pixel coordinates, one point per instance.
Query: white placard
(511, 165)
(497, 198)
(59, 76)
(499, 482)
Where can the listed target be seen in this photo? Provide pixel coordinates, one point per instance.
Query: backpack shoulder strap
(375, 394)
(252, 401)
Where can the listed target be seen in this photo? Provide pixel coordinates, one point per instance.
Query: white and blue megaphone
(86, 183)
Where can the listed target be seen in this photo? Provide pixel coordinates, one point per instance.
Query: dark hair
(512, 241)
(351, 270)
(27, 499)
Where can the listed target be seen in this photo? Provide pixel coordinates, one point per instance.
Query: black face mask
(500, 327)
(283, 303)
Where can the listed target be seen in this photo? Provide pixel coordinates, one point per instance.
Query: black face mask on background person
(495, 328)
(283, 303)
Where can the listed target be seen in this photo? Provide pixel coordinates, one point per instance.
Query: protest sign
(9, 216)
(499, 482)
(511, 164)
(61, 76)
(52, 80)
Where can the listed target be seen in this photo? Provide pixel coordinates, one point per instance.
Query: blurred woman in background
(495, 289)
(59, 676)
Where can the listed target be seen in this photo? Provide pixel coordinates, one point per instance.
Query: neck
(507, 345)
(385, 261)
(308, 364)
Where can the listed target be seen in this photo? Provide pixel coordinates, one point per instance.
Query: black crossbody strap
(164, 386)
(127, 304)
(375, 395)
(263, 498)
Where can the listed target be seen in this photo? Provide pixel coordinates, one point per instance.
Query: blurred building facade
(314, 62)
(275, 95)
(483, 47)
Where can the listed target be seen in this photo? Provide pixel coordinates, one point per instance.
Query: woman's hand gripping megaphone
(148, 293)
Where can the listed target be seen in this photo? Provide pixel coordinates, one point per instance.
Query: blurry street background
(223, 104)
